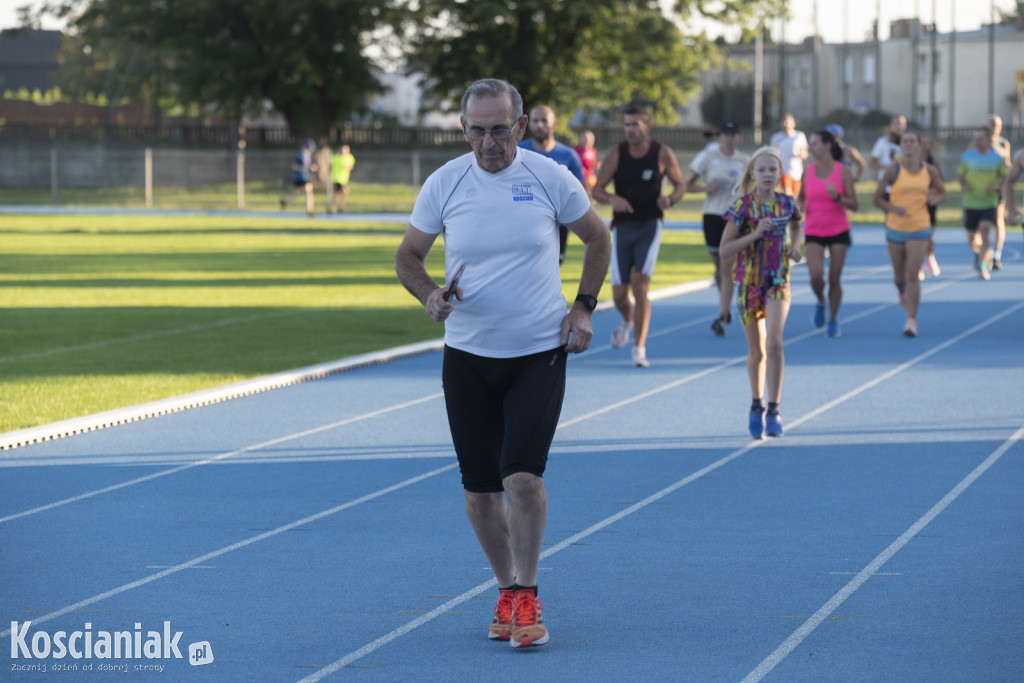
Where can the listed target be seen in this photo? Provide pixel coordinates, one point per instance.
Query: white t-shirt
(712, 164)
(504, 228)
(886, 152)
(792, 149)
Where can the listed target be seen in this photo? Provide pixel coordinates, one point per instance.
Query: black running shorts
(714, 226)
(973, 218)
(841, 238)
(502, 413)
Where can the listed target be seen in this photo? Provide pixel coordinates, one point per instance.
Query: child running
(755, 232)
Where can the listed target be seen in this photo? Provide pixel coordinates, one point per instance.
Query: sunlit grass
(101, 312)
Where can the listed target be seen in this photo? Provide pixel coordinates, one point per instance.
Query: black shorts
(714, 226)
(635, 246)
(299, 182)
(338, 187)
(841, 238)
(973, 218)
(502, 412)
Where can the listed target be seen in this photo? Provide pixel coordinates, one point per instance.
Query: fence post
(149, 177)
(53, 175)
(415, 168)
(240, 175)
(240, 167)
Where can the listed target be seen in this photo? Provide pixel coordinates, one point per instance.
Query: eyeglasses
(496, 133)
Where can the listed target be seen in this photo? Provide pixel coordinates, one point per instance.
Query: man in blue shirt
(542, 141)
(302, 167)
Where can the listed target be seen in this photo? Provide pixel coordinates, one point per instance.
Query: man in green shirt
(981, 174)
(341, 170)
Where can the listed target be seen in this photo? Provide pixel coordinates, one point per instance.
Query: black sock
(510, 588)
(757, 406)
(517, 587)
(773, 408)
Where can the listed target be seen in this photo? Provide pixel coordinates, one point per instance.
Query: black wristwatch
(588, 301)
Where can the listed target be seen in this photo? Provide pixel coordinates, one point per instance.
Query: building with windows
(951, 80)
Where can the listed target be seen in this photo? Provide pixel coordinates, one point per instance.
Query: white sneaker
(640, 357)
(621, 334)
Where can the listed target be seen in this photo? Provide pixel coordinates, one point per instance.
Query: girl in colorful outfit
(826, 193)
(755, 232)
(915, 185)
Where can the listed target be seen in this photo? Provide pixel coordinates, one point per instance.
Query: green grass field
(102, 312)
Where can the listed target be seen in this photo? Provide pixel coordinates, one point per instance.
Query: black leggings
(502, 412)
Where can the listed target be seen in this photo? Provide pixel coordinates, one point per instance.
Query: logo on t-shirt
(522, 193)
(646, 174)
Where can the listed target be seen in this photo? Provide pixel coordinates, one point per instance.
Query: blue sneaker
(819, 315)
(833, 329)
(757, 423)
(773, 424)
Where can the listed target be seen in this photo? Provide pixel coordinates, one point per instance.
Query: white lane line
(903, 366)
(472, 592)
(798, 636)
(235, 546)
(223, 456)
(566, 423)
(653, 498)
(370, 647)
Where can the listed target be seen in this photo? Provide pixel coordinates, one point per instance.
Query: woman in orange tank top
(913, 185)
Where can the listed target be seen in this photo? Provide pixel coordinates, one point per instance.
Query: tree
(571, 55)
(733, 103)
(309, 58)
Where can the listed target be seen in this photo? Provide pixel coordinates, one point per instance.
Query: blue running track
(317, 531)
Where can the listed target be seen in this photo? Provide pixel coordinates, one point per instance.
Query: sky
(969, 15)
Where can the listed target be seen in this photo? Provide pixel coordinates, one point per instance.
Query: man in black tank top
(638, 167)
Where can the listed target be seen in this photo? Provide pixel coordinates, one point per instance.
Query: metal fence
(80, 157)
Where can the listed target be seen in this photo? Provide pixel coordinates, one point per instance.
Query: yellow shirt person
(341, 171)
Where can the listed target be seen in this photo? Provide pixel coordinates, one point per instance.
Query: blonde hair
(746, 182)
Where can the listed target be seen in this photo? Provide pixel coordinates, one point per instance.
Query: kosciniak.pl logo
(90, 644)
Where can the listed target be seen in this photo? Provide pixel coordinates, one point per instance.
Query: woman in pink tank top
(826, 193)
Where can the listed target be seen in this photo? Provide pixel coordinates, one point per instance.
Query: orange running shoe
(501, 627)
(527, 625)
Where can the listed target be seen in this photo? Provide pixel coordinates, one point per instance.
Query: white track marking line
(600, 411)
(235, 546)
(475, 591)
(798, 636)
(636, 507)
(223, 456)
